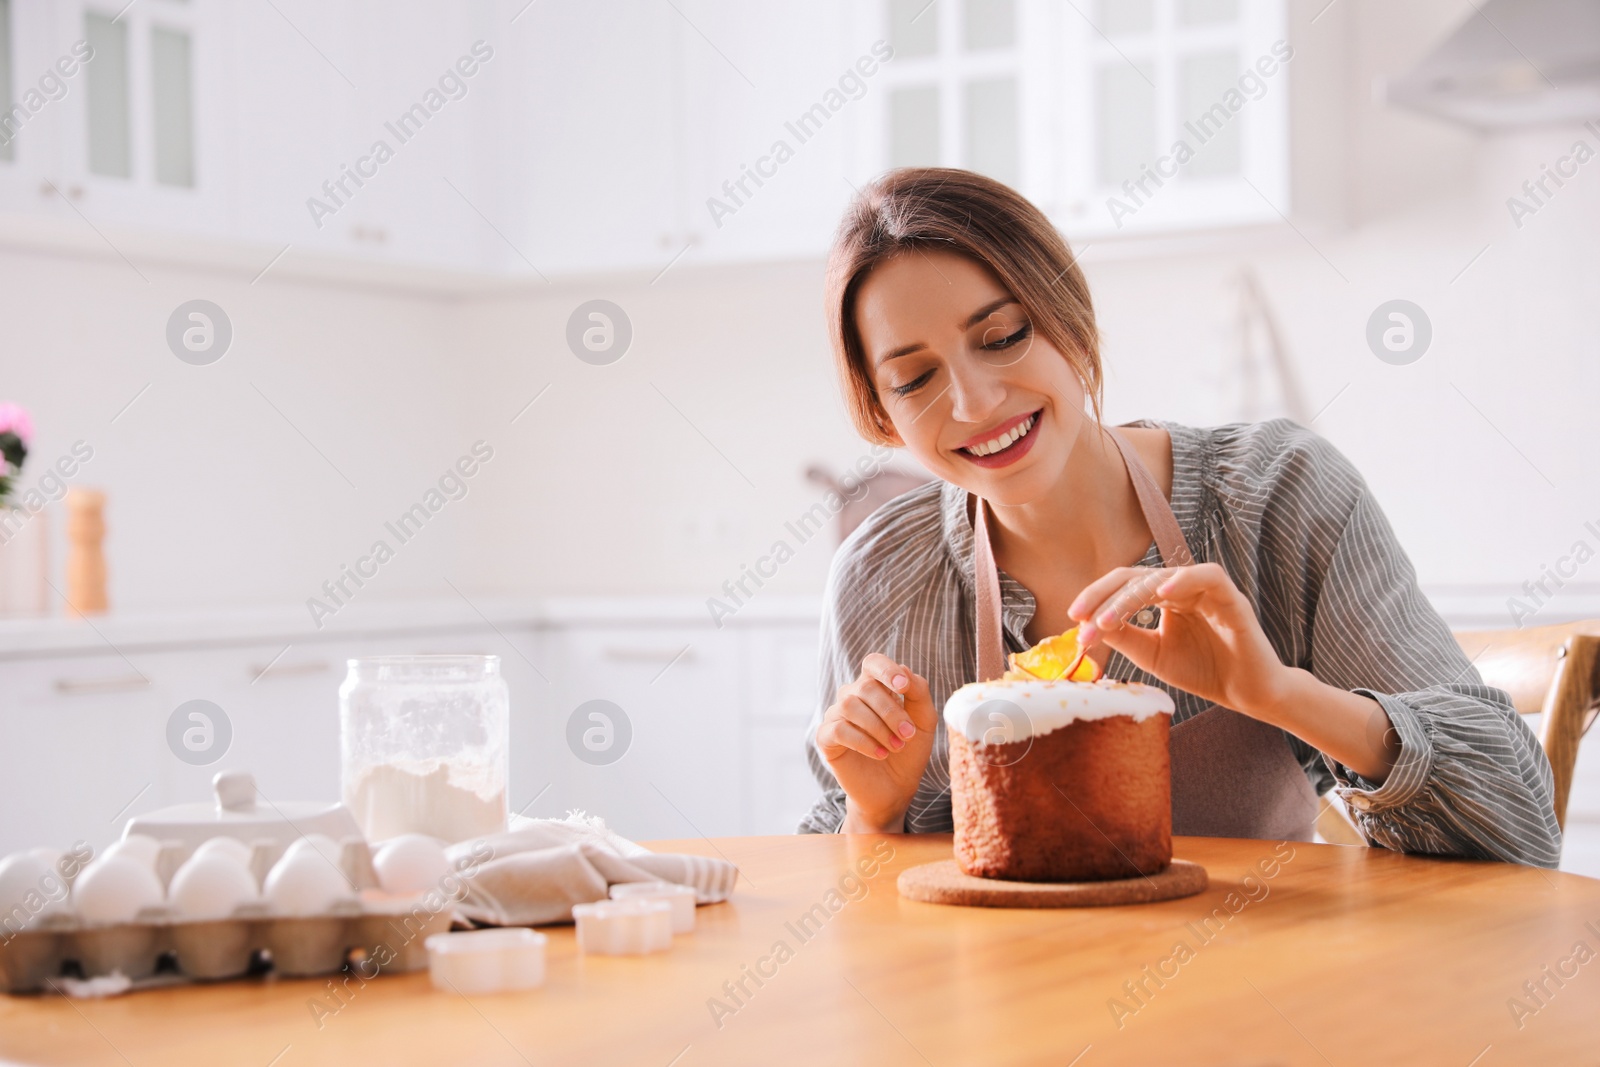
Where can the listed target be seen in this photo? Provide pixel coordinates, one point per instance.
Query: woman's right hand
(878, 744)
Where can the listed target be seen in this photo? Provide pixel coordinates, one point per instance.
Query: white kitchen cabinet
(223, 123)
(779, 788)
(772, 110)
(780, 697)
(83, 744)
(593, 137)
(85, 737)
(662, 143)
(717, 716)
(138, 134)
(718, 721)
(677, 686)
(1121, 117)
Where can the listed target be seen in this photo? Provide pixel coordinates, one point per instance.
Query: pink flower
(16, 420)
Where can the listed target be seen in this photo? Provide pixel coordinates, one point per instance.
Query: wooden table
(1322, 955)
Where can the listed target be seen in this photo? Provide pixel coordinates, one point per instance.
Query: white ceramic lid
(240, 810)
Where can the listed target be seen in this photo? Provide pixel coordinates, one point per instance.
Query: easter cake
(1060, 779)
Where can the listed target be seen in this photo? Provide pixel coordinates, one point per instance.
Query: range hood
(1511, 63)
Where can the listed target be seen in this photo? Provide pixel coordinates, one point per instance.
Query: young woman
(1245, 568)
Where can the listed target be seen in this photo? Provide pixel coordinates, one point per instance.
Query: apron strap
(1158, 516)
(1157, 512)
(986, 577)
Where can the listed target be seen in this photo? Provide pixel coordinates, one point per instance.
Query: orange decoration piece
(1048, 661)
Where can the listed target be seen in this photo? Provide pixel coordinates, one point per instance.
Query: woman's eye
(1010, 339)
(913, 385)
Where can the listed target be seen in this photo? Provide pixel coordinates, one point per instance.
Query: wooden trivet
(946, 883)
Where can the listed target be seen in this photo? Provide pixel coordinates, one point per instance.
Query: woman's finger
(895, 676)
(875, 709)
(868, 717)
(1119, 599)
(1181, 587)
(1096, 592)
(838, 736)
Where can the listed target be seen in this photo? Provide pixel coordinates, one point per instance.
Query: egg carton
(377, 930)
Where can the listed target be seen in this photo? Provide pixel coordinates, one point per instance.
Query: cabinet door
(30, 138)
(780, 686)
(772, 104)
(1174, 115)
(779, 787)
(82, 742)
(593, 125)
(146, 132)
(678, 773)
(394, 147)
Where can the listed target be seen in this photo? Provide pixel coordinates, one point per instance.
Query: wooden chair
(1552, 671)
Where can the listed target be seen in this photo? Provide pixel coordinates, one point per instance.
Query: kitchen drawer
(780, 666)
(82, 744)
(678, 688)
(779, 786)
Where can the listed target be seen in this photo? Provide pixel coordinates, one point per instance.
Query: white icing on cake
(1045, 706)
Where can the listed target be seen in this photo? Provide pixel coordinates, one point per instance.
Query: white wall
(215, 498)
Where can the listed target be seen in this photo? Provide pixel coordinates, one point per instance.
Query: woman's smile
(1003, 445)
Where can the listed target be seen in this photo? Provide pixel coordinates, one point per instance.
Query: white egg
(411, 863)
(29, 888)
(210, 886)
(53, 885)
(231, 847)
(320, 844)
(138, 846)
(305, 883)
(50, 856)
(114, 888)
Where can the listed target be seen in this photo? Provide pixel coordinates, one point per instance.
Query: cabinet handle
(647, 655)
(258, 671)
(101, 685)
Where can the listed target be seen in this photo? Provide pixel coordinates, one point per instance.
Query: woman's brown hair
(926, 208)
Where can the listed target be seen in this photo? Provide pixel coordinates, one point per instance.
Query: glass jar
(425, 746)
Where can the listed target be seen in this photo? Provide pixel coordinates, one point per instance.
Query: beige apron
(1232, 776)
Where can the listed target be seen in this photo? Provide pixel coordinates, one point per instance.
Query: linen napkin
(539, 868)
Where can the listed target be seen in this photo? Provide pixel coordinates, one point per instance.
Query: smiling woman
(1245, 569)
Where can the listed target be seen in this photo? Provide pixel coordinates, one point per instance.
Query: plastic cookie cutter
(680, 897)
(471, 962)
(627, 927)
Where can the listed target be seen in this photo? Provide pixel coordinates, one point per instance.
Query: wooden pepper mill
(86, 559)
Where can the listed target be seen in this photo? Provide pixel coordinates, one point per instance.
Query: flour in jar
(447, 801)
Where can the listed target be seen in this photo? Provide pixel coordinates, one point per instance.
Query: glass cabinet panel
(110, 124)
(991, 133)
(914, 127)
(172, 106)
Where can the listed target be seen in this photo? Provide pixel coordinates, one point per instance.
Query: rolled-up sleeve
(1471, 779)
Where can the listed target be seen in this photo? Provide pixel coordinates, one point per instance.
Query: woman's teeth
(1005, 440)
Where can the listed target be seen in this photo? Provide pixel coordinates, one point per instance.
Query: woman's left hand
(1208, 643)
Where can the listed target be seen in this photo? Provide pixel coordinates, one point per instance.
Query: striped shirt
(1294, 524)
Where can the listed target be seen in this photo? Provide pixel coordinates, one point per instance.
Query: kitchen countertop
(1463, 607)
(34, 638)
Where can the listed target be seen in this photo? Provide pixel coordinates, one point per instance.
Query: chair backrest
(1548, 670)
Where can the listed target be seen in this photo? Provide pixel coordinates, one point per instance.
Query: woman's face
(976, 396)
